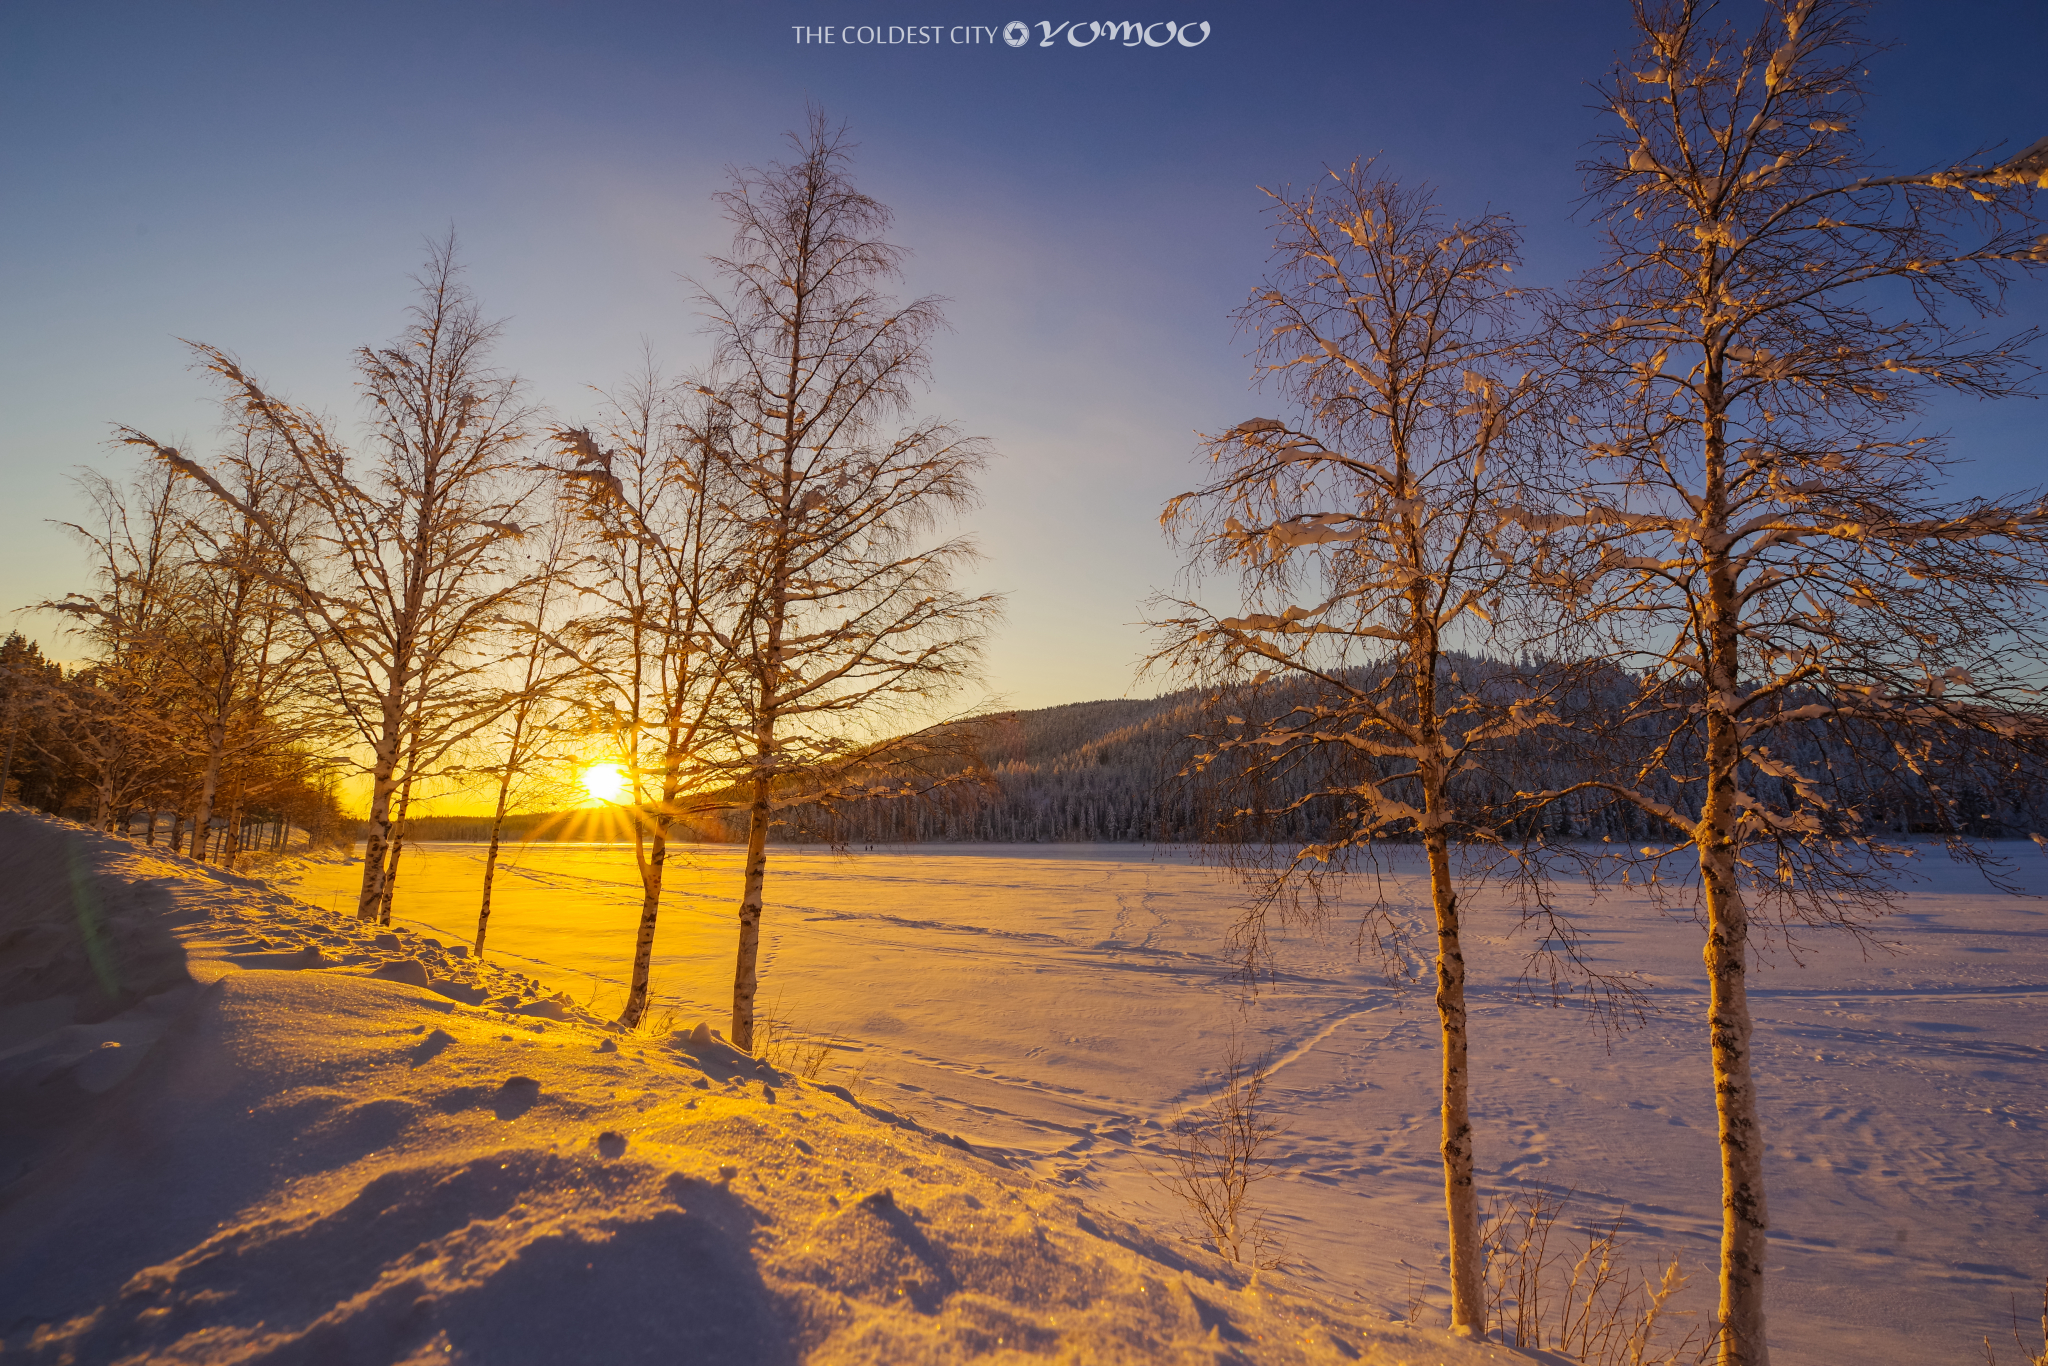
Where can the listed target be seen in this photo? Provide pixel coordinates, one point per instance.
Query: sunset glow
(605, 782)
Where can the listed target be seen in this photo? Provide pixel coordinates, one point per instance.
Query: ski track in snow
(1065, 1006)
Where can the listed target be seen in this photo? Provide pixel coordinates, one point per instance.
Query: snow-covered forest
(65, 733)
(1119, 770)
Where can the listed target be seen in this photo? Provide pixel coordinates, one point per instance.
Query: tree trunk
(397, 847)
(1744, 1218)
(1461, 1196)
(643, 943)
(149, 830)
(743, 980)
(1740, 1128)
(483, 912)
(377, 831)
(231, 833)
(209, 786)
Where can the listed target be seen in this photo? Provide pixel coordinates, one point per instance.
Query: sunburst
(605, 782)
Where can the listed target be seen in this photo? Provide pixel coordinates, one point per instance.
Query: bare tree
(233, 645)
(832, 482)
(652, 654)
(1764, 539)
(404, 570)
(522, 739)
(1383, 507)
(111, 713)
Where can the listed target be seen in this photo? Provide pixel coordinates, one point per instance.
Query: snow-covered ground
(1060, 1003)
(237, 1129)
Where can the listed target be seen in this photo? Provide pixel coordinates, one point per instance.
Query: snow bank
(240, 1129)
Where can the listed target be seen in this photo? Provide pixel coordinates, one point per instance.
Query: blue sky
(261, 177)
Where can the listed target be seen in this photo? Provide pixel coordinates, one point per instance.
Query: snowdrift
(236, 1128)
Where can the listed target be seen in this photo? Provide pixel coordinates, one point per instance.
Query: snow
(232, 1130)
(1057, 1005)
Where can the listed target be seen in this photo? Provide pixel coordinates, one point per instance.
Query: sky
(263, 177)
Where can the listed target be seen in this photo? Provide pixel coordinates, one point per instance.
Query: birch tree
(404, 570)
(836, 489)
(1367, 537)
(234, 647)
(1766, 541)
(112, 713)
(522, 739)
(658, 584)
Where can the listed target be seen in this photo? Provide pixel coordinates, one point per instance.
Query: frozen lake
(1059, 1003)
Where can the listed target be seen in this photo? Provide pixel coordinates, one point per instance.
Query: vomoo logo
(1017, 33)
(1165, 33)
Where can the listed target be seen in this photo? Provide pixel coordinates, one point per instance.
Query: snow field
(1060, 1004)
(302, 1153)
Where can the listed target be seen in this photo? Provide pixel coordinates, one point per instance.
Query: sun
(605, 782)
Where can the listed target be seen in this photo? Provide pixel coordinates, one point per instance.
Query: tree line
(82, 744)
(725, 584)
(1118, 771)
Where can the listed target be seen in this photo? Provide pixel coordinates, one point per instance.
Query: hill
(1110, 771)
(1091, 772)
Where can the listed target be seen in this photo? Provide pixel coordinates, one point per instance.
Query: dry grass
(656, 1022)
(788, 1048)
(856, 1080)
(1579, 1297)
(2028, 1356)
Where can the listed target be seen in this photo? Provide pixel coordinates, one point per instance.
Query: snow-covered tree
(404, 569)
(112, 715)
(1367, 538)
(1765, 537)
(23, 676)
(833, 486)
(37, 762)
